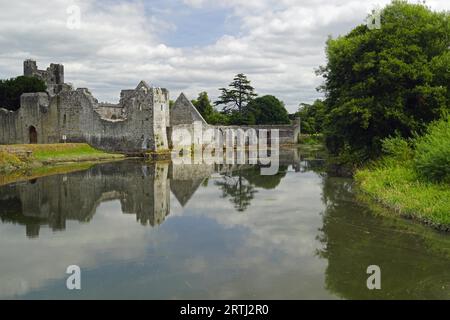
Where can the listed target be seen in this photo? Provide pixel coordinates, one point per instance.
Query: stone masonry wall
(76, 116)
(189, 127)
(140, 122)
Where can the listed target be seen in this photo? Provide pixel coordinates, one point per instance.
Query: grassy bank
(414, 176)
(397, 186)
(53, 153)
(10, 162)
(29, 174)
(26, 157)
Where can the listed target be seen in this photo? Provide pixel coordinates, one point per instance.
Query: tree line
(240, 105)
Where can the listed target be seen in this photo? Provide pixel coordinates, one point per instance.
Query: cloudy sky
(183, 45)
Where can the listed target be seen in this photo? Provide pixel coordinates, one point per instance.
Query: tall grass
(432, 154)
(398, 186)
(414, 175)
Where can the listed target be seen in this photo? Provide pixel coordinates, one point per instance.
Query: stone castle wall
(189, 127)
(140, 122)
(136, 124)
(35, 112)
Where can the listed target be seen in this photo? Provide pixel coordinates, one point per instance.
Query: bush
(311, 139)
(311, 116)
(218, 118)
(432, 159)
(397, 148)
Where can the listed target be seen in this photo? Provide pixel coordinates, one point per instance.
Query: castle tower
(160, 117)
(56, 73)
(53, 76)
(29, 67)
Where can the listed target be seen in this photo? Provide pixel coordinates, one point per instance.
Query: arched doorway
(33, 135)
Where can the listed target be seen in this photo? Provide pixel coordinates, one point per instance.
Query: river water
(165, 231)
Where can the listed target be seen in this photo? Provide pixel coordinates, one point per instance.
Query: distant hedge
(12, 89)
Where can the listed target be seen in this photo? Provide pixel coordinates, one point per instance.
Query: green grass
(14, 157)
(397, 185)
(51, 153)
(33, 173)
(414, 176)
(10, 162)
(68, 152)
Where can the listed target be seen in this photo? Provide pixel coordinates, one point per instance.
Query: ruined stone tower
(53, 76)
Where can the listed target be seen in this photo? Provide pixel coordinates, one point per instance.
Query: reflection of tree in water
(253, 175)
(241, 185)
(235, 186)
(414, 259)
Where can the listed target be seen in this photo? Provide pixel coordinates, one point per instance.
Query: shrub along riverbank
(25, 157)
(413, 178)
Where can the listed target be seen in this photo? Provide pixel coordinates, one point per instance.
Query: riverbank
(413, 178)
(398, 187)
(19, 158)
(62, 168)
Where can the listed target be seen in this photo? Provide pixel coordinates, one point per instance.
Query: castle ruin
(142, 120)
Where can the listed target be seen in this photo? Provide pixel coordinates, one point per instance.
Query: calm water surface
(151, 231)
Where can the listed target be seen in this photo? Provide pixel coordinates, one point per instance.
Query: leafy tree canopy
(382, 81)
(311, 116)
(239, 94)
(12, 89)
(266, 110)
(203, 105)
(208, 111)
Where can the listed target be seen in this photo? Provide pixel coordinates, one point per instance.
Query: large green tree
(312, 116)
(266, 110)
(203, 105)
(208, 111)
(379, 82)
(237, 96)
(12, 89)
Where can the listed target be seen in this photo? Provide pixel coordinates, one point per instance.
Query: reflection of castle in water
(142, 188)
